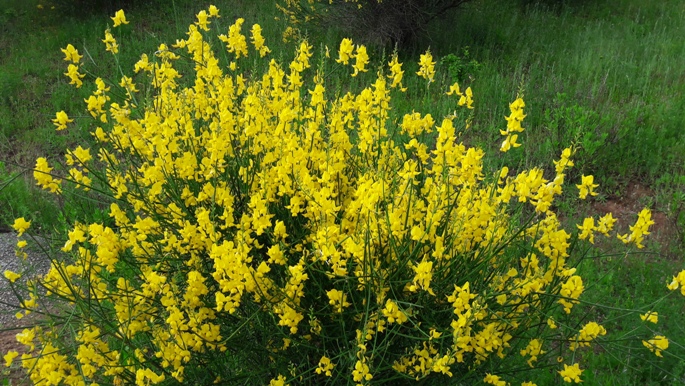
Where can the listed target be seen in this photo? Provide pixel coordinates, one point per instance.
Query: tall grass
(604, 73)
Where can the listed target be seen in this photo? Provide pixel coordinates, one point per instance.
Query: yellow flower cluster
(640, 229)
(41, 173)
(396, 73)
(325, 366)
(588, 333)
(119, 18)
(657, 344)
(110, 43)
(534, 349)
(70, 55)
(571, 373)
(235, 41)
(21, 225)
(494, 380)
(678, 281)
(347, 52)
(570, 291)
(651, 316)
(514, 125)
(338, 300)
(426, 67)
(465, 98)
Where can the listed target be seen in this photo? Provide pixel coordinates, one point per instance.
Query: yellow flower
(509, 142)
(461, 298)
(422, 279)
(513, 124)
(301, 61)
(393, 313)
(11, 276)
(361, 60)
(587, 228)
(442, 365)
(572, 290)
(361, 371)
(516, 117)
(565, 161)
(279, 381)
(280, 230)
(657, 345)
(466, 99)
(650, 316)
(588, 333)
(61, 120)
(43, 178)
(235, 41)
(213, 11)
(74, 76)
(127, 84)
(202, 20)
(606, 224)
(454, 90)
(534, 349)
(551, 323)
(338, 300)
(9, 357)
(258, 40)
(145, 376)
(346, 51)
(76, 235)
(110, 42)
(71, 54)
(639, 230)
(21, 225)
(494, 380)
(143, 64)
(571, 373)
(95, 104)
(119, 18)
(325, 366)
(678, 281)
(396, 73)
(426, 66)
(587, 186)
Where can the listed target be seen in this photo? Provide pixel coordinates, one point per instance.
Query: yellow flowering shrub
(263, 229)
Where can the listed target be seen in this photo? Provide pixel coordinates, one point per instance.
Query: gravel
(36, 263)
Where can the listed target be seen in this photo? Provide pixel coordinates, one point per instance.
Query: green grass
(605, 76)
(599, 73)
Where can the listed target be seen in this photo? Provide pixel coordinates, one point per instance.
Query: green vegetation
(606, 77)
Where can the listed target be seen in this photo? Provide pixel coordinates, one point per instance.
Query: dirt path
(625, 209)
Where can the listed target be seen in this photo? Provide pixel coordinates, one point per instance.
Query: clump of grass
(20, 198)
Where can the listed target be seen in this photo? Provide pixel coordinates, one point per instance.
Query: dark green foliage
(383, 23)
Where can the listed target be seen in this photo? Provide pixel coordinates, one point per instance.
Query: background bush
(262, 227)
(385, 23)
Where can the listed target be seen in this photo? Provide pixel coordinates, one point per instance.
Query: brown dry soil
(663, 233)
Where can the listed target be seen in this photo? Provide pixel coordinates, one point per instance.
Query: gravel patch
(35, 264)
